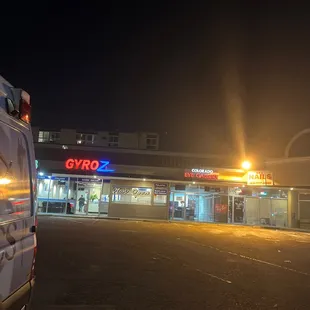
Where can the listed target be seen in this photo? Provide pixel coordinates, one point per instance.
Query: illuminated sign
(221, 208)
(136, 192)
(260, 178)
(203, 174)
(208, 171)
(88, 165)
(160, 188)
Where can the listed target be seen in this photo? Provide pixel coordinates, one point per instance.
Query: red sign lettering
(69, 163)
(198, 175)
(94, 165)
(220, 208)
(78, 163)
(85, 164)
(82, 164)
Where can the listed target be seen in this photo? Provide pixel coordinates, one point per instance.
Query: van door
(16, 214)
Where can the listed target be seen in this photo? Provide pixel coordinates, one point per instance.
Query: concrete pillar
(292, 209)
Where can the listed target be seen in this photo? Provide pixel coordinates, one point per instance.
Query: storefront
(95, 188)
(102, 196)
(236, 205)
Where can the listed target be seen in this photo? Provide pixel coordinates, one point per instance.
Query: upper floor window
(85, 138)
(49, 136)
(113, 139)
(152, 142)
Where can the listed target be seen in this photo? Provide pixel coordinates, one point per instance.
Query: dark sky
(215, 78)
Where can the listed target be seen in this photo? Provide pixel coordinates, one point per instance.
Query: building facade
(125, 140)
(89, 179)
(294, 173)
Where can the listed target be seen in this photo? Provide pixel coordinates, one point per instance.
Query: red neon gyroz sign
(88, 165)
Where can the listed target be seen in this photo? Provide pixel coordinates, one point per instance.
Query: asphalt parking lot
(107, 264)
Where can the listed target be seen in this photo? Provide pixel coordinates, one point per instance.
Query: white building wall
(68, 136)
(102, 138)
(128, 140)
(35, 134)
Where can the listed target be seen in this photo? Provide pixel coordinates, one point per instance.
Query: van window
(15, 185)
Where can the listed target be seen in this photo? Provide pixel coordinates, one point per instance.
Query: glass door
(206, 210)
(279, 212)
(177, 206)
(238, 209)
(92, 207)
(265, 213)
(252, 211)
(87, 196)
(191, 207)
(104, 199)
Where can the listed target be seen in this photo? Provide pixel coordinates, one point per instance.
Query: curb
(175, 222)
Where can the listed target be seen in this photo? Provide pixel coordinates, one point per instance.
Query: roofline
(305, 189)
(93, 130)
(217, 183)
(124, 150)
(287, 160)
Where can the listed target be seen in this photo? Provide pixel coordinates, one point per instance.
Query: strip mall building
(80, 174)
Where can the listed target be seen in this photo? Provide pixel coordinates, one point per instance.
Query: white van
(18, 219)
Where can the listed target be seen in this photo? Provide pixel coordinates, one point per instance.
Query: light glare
(246, 165)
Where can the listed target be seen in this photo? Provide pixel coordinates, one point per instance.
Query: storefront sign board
(136, 192)
(88, 165)
(201, 174)
(48, 177)
(160, 192)
(161, 188)
(260, 178)
(161, 185)
(86, 180)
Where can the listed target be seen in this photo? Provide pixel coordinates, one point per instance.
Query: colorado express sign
(203, 174)
(88, 165)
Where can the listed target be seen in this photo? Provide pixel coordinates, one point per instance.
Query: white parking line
(70, 219)
(80, 307)
(162, 256)
(249, 258)
(213, 276)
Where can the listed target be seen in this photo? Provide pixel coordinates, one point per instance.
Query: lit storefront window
(198, 203)
(131, 195)
(258, 206)
(52, 194)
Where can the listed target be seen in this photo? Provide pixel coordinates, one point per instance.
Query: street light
(246, 165)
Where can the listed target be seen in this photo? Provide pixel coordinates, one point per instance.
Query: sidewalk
(171, 221)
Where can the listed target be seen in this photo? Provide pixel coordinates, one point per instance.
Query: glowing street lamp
(246, 165)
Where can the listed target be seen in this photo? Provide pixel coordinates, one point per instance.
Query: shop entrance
(184, 206)
(177, 207)
(266, 211)
(202, 207)
(73, 195)
(89, 196)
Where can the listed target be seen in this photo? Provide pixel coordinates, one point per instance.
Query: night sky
(209, 78)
